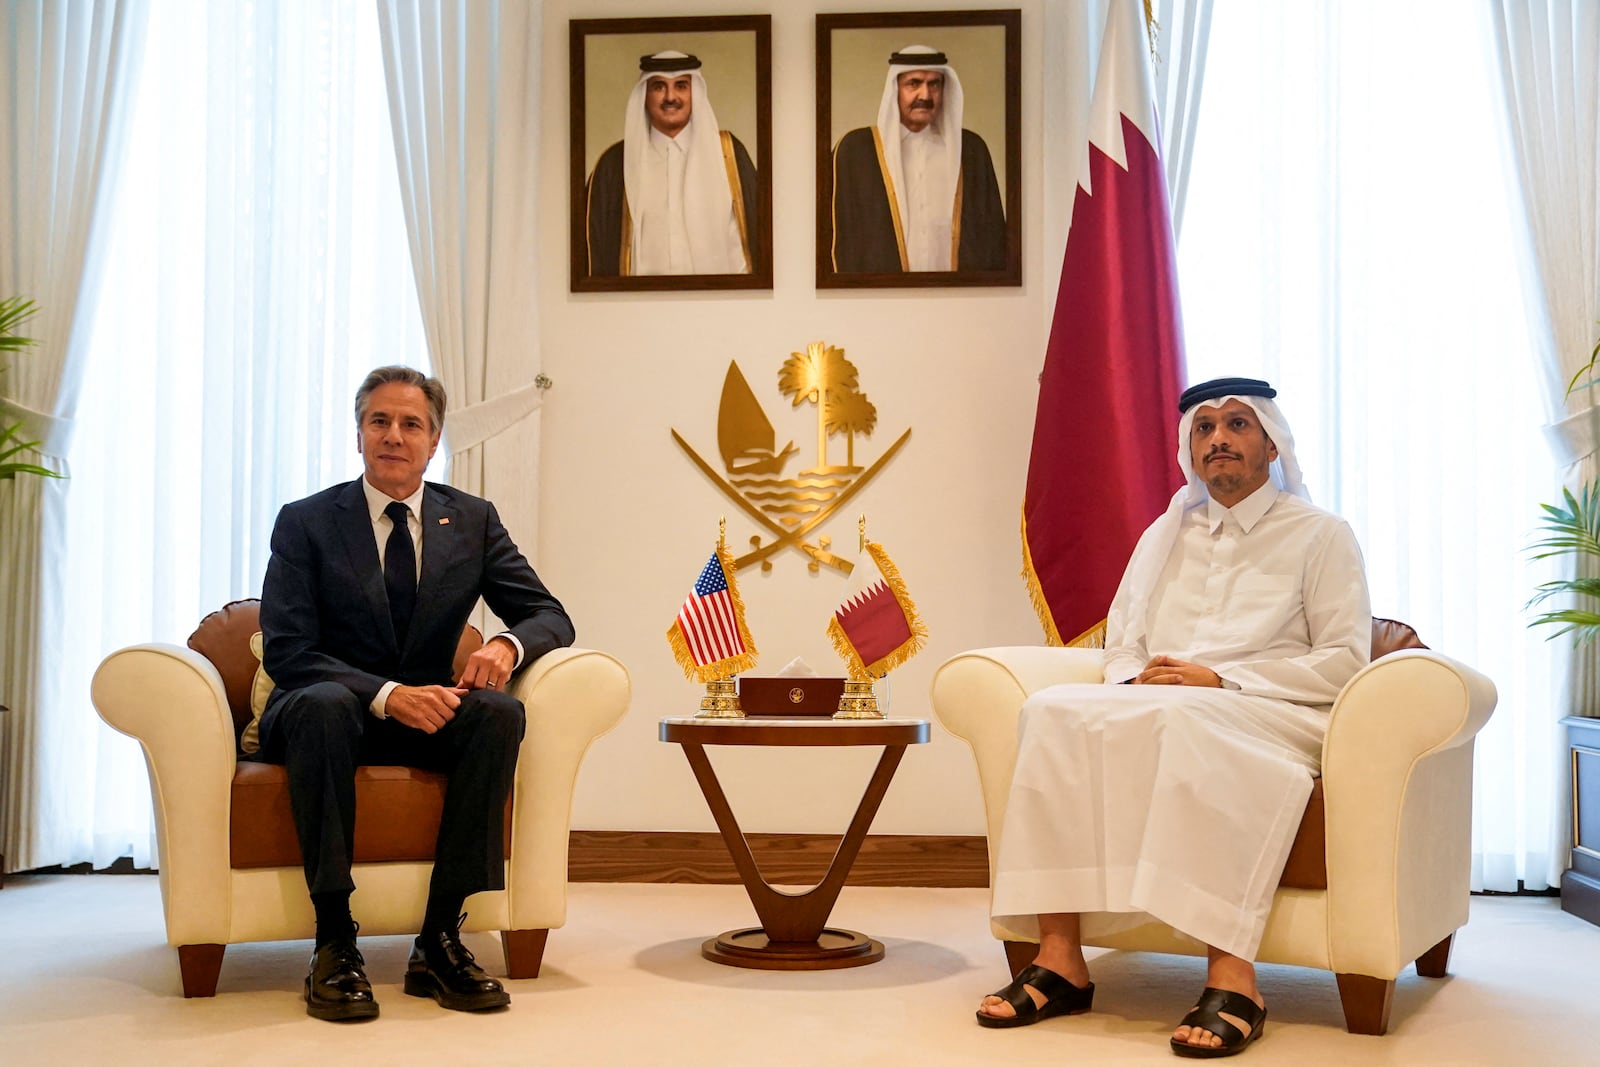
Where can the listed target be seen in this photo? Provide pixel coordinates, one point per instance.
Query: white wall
(626, 521)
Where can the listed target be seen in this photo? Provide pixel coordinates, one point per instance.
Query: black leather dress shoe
(337, 988)
(441, 967)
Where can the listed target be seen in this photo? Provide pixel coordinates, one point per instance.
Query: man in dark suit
(367, 591)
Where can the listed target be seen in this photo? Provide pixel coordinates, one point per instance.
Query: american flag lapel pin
(444, 522)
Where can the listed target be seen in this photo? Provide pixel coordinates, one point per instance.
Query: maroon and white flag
(876, 627)
(1102, 465)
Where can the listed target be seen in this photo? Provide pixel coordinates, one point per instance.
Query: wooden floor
(790, 859)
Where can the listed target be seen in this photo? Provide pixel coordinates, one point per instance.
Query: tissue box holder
(788, 697)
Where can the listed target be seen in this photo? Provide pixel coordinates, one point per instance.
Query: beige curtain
(463, 81)
(1549, 52)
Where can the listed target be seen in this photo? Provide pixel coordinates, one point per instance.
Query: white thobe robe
(1178, 802)
(661, 241)
(930, 200)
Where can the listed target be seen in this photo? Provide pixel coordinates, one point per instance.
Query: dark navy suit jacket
(325, 612)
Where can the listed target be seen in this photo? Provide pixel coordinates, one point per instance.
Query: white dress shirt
(377, 501)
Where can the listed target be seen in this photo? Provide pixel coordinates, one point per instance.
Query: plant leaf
(13, 312)
(11, 444)
(1586, 624)
(1570, 527)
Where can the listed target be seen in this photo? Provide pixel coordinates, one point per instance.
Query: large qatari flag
(1103, 464)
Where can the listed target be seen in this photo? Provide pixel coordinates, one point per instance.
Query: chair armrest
(171, 700)
(572, 697)
(1397, 781)
(978, 696)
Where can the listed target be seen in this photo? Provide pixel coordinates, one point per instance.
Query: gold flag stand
(721, 701)
(857, 701)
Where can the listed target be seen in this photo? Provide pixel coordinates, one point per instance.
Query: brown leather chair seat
(1307, 867)
(397, 808)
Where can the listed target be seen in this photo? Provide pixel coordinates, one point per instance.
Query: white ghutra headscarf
(1129, 610)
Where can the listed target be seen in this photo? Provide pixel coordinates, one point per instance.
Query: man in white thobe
(916, 191)
(677, 195)
(1174, 791)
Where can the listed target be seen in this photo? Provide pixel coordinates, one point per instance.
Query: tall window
(257, 268)
(1350, 234)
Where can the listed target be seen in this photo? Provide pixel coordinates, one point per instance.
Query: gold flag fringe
(722, 668)
(1093, 637)
(1041, 606)
(907, 648)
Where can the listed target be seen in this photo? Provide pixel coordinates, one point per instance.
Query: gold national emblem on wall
(791, 509)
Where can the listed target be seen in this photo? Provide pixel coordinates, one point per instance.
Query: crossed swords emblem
(745, 437)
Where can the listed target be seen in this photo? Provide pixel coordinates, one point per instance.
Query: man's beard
(1226, 482)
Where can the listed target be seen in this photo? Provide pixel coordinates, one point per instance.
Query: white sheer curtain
(64, 68)
(1549, 53)
(463, 82)
(1351, 237)
(1183, 32)
(257, 268)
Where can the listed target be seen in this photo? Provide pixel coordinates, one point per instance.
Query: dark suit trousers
(323, 732)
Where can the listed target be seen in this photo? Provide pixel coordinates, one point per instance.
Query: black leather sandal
(1207, 1015)
(1061, 997)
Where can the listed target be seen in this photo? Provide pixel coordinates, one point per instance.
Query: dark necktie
(400, 571)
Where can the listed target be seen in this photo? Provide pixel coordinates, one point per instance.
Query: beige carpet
(87, 976)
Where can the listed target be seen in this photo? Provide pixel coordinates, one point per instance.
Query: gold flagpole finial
(861, 527)
(722, 529)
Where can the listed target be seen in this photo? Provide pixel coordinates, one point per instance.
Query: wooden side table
(793, 935)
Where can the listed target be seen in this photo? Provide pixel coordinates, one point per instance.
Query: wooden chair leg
(199, 966)
(1435, 963)
(524, 951)
(1366, 1003)
(1019, 954)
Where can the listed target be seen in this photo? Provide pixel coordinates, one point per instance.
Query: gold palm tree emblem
(850, 414)
(819, 375)
(790, 509)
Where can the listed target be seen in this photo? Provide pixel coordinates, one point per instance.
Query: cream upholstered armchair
(1377, 877)
(229, 860)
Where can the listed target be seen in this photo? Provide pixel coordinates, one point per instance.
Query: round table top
(809, 731)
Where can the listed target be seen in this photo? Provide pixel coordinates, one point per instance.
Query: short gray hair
(432, 390)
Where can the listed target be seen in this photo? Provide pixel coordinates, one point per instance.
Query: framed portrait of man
(671, 136)
(919, 149)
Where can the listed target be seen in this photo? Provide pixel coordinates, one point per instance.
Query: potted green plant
(1572, 528)
(13, 312)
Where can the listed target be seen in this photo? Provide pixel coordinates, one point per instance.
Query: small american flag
(709, 637)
